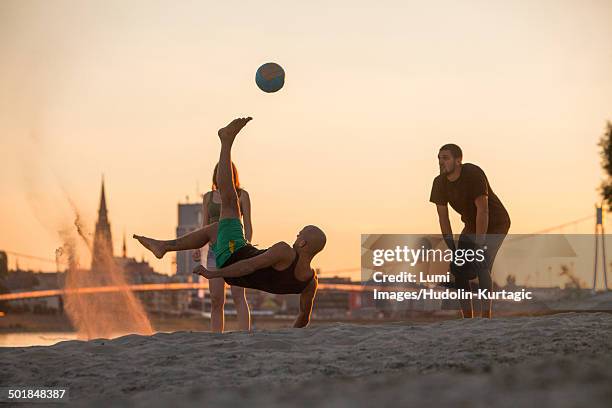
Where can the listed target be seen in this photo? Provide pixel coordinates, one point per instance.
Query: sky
(136, 91)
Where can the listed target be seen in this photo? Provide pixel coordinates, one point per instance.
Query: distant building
(189, 219)
(3, 277)
(3, 264)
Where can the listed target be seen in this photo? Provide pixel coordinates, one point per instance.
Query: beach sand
(562, 360)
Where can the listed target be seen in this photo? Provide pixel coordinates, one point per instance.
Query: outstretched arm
(445, 226)
(482, 218)
(277, 254)
(306, 302)
(197, 253)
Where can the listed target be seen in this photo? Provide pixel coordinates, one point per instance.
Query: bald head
(310, 240)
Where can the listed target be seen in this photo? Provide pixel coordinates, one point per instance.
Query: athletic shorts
(230, 238)
(471, 270)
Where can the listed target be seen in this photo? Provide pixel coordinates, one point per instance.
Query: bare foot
(228, 133)
(153, 245)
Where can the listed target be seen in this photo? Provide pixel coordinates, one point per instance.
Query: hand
(196, 254)
(202, 271)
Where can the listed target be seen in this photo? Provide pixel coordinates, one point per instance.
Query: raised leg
(194, 240)
(230, 207)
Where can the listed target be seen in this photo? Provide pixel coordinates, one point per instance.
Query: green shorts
(230, 238)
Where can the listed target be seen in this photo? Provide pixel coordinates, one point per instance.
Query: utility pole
(599, 230)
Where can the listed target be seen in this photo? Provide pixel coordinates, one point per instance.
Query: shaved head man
(280, 269)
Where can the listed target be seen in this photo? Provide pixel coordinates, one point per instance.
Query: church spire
(124, 248)
(103, 240)
(102, 211)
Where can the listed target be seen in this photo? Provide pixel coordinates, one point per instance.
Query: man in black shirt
(466, 188)
(281, 269)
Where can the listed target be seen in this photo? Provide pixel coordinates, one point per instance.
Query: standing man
(486, 222)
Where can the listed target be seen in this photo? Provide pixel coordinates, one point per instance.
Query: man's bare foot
(153, 245)
(228, 133)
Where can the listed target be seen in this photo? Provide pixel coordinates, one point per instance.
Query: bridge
(152, 287)
(204, 285)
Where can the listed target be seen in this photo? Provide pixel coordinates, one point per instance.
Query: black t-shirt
(462, 193)
(267, 279)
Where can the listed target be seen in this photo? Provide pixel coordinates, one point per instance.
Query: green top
(230, 238)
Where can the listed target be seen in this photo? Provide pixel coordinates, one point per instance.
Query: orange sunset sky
(136, 90)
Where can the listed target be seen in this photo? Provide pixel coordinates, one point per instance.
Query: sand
(561, 360)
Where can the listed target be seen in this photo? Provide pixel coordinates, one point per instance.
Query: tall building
(3, 264)
(189, 219)
(103, 241)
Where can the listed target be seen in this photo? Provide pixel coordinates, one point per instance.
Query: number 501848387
(33, 394)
